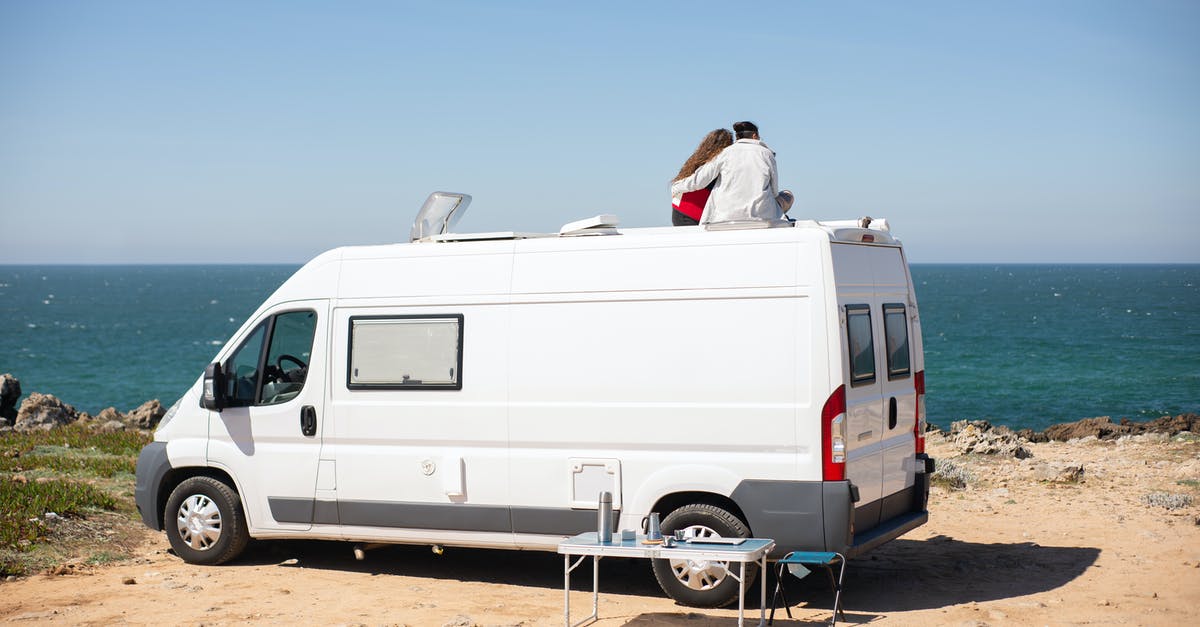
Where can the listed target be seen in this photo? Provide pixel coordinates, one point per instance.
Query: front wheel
(204, 521)
(702, 583)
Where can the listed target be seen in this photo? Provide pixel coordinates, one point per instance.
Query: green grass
(71, 451)
(23, 507)
(106, 557)
(77, 437)
(69, 462)
(69, 471)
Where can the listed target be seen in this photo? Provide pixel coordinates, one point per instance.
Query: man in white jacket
(747, 185)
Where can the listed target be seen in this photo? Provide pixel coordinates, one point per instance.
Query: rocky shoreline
(980, 437)
(45, 412)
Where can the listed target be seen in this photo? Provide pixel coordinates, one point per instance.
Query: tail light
(833, 436)
(919, 428)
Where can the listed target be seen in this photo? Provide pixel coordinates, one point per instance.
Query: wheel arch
(675, 486)
(671, 502)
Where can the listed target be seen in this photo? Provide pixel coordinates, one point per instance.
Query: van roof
(863, 230)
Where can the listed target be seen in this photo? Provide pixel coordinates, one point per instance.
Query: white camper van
(481, 390)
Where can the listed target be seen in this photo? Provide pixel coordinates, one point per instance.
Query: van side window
(406, 352)
(276, 375)
(895, 329)
(862, 346)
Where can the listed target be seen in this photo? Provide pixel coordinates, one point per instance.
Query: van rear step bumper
(889, 530)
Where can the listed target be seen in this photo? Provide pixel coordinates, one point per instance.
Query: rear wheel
(204, 521)
(702, 583)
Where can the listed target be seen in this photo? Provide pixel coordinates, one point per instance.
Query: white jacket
(747, 183)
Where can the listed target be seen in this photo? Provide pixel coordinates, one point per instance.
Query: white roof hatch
(441, 211)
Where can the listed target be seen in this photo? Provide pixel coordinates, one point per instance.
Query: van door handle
(308, 420)
(892, 413)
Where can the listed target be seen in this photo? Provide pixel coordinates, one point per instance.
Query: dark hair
(709, 147)
(745, 130)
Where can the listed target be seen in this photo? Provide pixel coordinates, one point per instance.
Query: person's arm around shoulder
(699, 179)
(774, 173)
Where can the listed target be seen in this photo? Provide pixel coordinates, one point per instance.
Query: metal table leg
(762, 602)
(568, 567)
(742, 595)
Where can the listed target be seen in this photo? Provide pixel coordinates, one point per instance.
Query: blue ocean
(1019, 345)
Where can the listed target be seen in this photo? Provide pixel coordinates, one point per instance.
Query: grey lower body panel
(447, 516)
(152, 466)
(798, 515)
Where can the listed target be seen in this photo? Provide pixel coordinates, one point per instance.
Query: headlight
(171, 411)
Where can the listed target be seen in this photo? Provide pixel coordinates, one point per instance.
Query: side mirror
(213, 395)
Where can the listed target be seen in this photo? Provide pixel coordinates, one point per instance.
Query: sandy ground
(1008, 550)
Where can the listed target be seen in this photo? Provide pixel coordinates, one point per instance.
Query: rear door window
(895, 328)
(861, 344)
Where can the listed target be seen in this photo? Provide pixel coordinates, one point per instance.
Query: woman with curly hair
(687, 208)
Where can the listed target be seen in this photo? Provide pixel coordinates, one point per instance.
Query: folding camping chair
(825, 560)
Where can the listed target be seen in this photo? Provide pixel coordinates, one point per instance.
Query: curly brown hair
(709, 147)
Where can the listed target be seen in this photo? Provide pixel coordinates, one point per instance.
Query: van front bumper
(152, 466)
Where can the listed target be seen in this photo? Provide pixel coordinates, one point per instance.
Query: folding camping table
(585, 544)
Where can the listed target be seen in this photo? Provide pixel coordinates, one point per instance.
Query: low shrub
(951, 476)
(1167, 500)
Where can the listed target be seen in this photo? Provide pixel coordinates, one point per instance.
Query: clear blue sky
(1013, 131)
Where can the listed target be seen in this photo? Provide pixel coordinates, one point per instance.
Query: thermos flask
(604, 518)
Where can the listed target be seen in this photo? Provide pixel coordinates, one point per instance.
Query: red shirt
(691, 204)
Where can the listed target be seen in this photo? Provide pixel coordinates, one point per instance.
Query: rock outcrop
(1059, 472)
(147, 416)
(44, 411)
(1104, 428)
(981, 438)
(10, 392)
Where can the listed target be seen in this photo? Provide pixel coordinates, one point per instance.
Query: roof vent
(441, 211)
(604, 224)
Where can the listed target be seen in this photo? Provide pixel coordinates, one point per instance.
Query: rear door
(880, 392)
(865, 419)
(899, 391)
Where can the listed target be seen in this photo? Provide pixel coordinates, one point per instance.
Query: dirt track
(1009, 550)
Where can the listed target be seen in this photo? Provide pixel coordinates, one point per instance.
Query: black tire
(689, 583)
(204, 522)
